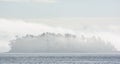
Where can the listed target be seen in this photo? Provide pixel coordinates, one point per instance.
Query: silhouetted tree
(51, 42)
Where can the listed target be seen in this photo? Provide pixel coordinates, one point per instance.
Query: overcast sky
(59, 8)
(98, 17)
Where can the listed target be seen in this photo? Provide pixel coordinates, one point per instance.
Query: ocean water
(57, 58)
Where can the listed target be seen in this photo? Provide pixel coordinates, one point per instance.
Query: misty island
(59, 43)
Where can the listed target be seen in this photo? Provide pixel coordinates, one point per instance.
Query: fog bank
(60, 43)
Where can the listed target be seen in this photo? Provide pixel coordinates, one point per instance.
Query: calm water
(54, 58)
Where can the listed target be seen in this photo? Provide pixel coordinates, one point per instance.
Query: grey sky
(98, 17)
(60, 8)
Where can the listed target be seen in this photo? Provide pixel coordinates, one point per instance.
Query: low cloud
(20, 26)
(9, 28)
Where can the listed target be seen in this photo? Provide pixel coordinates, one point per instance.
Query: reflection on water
(52, 58)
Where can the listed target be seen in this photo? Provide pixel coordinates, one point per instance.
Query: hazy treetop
(59, 43)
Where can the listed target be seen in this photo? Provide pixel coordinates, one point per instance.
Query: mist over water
(58, 43)
(10, 28)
